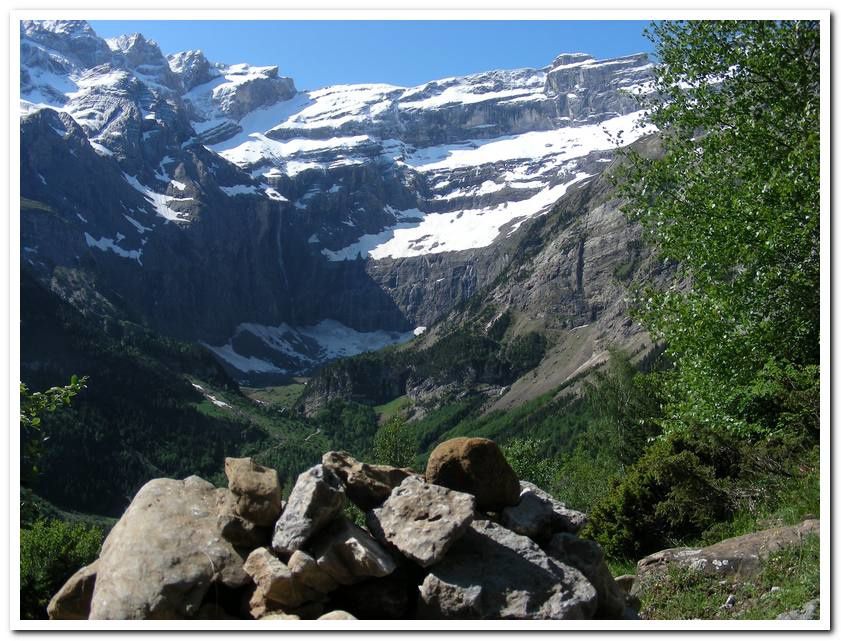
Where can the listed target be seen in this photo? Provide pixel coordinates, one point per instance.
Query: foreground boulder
(307, 572)
(493, 573)
(257, 489)
(73, 600)
(538, 516)
(367, 486)
(422, 520)
(475, 466)
(275, 583)
(164, 553)
(739, 557)
(316, 499)
(588, 557)
(348, 554)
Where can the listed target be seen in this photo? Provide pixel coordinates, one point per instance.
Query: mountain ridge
(228, 198)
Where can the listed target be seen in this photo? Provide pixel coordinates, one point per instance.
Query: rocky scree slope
(284, 228)
(467, 540)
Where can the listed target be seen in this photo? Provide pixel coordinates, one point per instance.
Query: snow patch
(450, 231)
(102, 150)
(240, 190)
(159, 201)
(297, 349)
(274, 194)
(109, 244)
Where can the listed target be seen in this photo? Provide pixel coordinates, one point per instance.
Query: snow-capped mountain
(282, 228)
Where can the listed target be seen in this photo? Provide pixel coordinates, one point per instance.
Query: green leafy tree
(733, 200)
(393, 444)
(626, 405)
(527, 457)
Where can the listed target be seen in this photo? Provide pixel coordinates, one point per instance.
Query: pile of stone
(466, 540)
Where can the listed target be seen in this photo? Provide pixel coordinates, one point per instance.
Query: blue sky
(320, 53)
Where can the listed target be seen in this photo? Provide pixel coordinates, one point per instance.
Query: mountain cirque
(284, 228)
(168, 557)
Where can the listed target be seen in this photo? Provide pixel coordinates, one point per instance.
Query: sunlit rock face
(283, 228)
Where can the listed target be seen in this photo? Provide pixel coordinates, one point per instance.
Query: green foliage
(676, 490)
(139, 417)
(499, 326)
(50, 552)
(527, 457)
(462, 353)
(626, 405)
(585, 475)
(619, 412)
(393, 408)
(525, 352)
(734, 201)
(701, 486)
(350, 426)
(394, 445)
(33, 406)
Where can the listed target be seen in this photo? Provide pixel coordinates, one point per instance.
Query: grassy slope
(788, 580)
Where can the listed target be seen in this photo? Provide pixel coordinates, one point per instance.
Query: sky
(408, 53)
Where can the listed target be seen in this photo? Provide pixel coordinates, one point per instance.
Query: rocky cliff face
(283, 228)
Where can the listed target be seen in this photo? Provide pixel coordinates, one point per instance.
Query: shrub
(50, 552)
(675, 491)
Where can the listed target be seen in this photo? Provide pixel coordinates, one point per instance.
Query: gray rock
(242, 533)
(588, 557)
(348, 554)
(279, 616)
(305, 570)
(422, 520)
(740, 557)
(257, 489)
(315, 500)
(538, 515)
(367, 486)
(625, 582)
(275, 581)
(493, 573)
(164, 553)
(73, 600)
(336, 615)
(807, 612)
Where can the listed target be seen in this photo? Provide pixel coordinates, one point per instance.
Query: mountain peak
(571, 59)
(135, 44)
(65, 28)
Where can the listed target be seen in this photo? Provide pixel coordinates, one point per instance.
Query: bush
(675, 491)
(50, 552)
